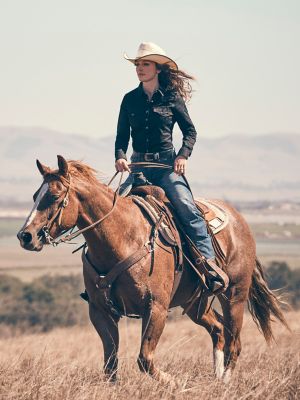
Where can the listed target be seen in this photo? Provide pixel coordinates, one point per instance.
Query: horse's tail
(263, 304)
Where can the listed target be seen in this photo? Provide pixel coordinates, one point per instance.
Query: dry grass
(66, 364)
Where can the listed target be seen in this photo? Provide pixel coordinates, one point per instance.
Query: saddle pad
(214, 214)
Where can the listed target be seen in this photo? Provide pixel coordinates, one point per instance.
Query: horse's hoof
(167, 379)
(227, 376)
(111, 378)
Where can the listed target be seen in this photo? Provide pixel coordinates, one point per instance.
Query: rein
(65, 202)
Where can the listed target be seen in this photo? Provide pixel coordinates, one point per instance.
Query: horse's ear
(42, 168)
(63, 166)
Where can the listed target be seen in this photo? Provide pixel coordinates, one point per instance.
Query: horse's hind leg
(233, 320)
(211, 321)
(152, 327)
(107, 328)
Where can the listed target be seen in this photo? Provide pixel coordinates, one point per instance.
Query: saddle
(214, 215)
(153, 198)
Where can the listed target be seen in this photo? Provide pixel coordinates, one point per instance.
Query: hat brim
(157, 58)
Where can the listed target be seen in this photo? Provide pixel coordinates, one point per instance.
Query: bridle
(45, 231)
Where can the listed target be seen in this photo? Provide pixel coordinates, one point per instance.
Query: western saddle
(153, 201)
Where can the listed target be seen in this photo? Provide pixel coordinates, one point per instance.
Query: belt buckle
(150, 156)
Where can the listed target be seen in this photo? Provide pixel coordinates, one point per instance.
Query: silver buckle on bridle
(47, 237)
(65, 202)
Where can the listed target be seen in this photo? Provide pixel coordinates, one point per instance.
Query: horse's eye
(51, 198)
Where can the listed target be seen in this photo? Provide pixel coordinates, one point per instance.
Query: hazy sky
(62, 63)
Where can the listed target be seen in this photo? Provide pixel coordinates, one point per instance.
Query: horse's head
(55, 208)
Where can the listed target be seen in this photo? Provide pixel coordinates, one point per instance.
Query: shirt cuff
(184, 152)
(120, 154)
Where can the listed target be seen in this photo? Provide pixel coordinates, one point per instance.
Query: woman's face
(146, 70)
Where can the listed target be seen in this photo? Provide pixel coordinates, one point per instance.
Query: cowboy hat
(152, 52)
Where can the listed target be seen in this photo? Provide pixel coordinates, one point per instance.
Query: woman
(148, 114)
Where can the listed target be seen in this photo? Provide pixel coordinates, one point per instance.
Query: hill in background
(234, 167)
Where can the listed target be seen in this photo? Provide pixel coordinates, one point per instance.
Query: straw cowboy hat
(152, 52)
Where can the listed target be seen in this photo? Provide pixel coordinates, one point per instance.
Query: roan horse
(72, 196)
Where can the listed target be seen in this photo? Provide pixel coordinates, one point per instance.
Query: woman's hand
(180, 165)
(122, 165)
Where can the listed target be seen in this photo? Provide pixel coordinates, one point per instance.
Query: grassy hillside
(66, 364)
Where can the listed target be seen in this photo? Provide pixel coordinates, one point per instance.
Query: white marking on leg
(32, 215)
(227, 376)
(219, 363)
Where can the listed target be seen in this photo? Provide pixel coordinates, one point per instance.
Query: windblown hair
(171, 79)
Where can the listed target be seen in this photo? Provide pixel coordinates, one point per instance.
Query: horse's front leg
(153, 325)
(107, 328)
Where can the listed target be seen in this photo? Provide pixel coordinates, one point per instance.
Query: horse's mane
(83, 172)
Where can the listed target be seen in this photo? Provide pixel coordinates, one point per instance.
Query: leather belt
(152, 156)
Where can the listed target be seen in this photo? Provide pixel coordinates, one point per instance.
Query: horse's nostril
(27, 237)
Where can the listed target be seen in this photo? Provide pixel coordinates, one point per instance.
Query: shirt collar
(160, 91)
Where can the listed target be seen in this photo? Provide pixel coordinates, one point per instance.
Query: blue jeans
(181, 198)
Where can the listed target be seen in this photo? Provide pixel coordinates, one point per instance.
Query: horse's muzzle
(27, 241)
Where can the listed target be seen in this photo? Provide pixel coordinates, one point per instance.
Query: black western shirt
(150, 123)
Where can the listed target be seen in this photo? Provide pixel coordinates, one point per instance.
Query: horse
(72, 195)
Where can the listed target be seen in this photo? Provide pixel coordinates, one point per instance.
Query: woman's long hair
(171, 79)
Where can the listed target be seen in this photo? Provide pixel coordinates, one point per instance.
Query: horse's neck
(114, 237)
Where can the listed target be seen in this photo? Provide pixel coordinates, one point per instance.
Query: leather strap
(216, 245)
(154, 215)
(177, 279)
(107, 280)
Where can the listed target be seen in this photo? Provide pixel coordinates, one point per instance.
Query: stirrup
(215, 286)
(217, 279)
